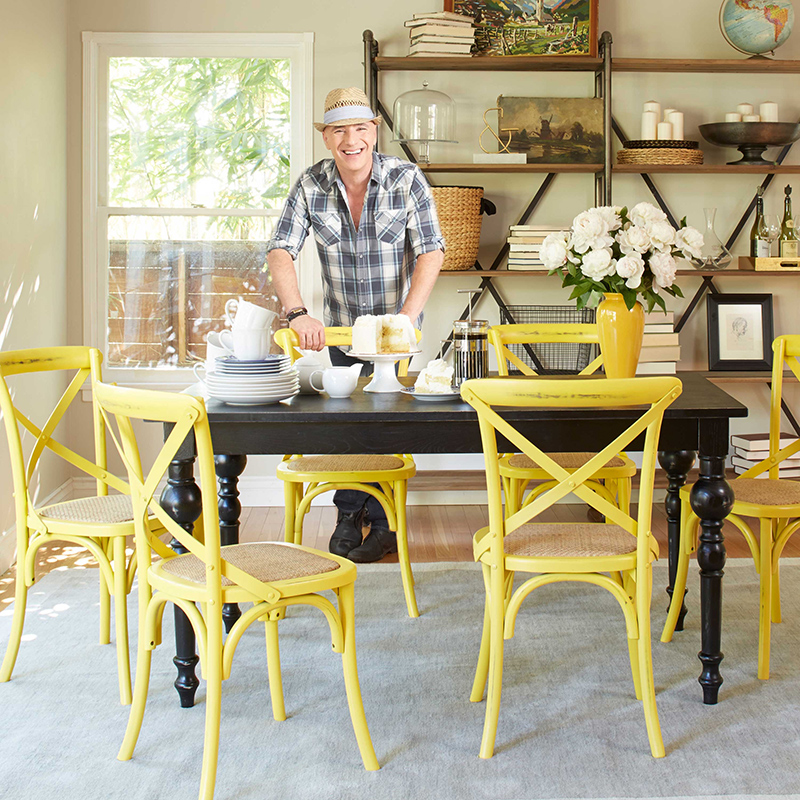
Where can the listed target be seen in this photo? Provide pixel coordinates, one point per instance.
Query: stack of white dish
(250, 383)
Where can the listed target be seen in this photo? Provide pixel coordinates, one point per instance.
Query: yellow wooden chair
(99, 523)
(516, 469)
(624, 547)
(761, 494)
(271, 575)
(306, 477)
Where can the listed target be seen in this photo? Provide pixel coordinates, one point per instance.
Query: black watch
(295, 313)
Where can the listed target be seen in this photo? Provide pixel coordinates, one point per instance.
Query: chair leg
(624, 494)
(105, 610)
(688, 529)
(274, 667)
(121, 619)
(399, 493)
(140, 689)
(290, 509)
(646, 665)
(213, 674)
(352, 687)
(482, 668)
(778, 526)
(765, 597)
(18, 621)
(496, 644)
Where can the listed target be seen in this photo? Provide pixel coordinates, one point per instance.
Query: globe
(756, 26)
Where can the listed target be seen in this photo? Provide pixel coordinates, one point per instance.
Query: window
(191, 143)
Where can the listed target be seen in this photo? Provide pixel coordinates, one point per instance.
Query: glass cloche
(424, 116)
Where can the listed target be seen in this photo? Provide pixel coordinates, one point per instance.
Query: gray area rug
(569, 724)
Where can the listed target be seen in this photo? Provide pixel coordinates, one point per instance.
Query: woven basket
(657, 155)
(459, 210)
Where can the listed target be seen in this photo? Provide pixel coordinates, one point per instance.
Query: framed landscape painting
(531, 27)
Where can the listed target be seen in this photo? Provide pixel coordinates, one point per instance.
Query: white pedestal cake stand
(384, 378)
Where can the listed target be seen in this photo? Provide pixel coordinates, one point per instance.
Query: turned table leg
(228, 469)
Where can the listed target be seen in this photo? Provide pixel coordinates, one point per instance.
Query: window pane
(198, 132)
(169, 280)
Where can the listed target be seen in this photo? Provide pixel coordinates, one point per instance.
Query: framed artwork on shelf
(531, 27)
(739, 332)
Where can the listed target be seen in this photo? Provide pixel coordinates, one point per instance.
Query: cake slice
(436, 378)
(382, 334)
(367, 334)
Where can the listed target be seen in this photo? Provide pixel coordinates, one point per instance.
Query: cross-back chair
(762, 495)
(100, 523)
(306, 477)
(616, 555)
(271, 575)
(516, 469)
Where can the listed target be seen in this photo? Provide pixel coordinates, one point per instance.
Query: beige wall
(649, 28)
(33, 272)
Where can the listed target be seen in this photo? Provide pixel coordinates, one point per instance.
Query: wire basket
(556, 358)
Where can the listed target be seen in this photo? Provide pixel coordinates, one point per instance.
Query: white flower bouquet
(610, 249)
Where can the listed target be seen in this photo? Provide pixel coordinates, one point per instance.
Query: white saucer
(429, 397)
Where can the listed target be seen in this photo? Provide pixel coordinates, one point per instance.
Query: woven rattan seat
(566, 460)
(109, 510)
(569, 541)
(265, 561)
(348, 463)
(766, 492)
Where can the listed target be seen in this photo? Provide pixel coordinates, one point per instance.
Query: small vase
(620, 330)
(714, 255)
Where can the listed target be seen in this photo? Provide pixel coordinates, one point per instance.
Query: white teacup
(306, 366)
(337, 381)
(214, 350)
(244, 314)
(247, 344)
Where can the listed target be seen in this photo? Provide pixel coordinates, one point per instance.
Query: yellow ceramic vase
(620, 330)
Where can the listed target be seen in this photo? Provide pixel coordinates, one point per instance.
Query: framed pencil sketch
(531, 27)
(739, 332)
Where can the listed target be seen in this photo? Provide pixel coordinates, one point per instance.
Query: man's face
(351, 145)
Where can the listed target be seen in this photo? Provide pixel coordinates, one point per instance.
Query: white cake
(386, 333)
(436, 378)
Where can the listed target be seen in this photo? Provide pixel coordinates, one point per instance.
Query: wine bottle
(788, 237)
(759, 241)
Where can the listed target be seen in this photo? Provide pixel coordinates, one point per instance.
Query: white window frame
(97, 49)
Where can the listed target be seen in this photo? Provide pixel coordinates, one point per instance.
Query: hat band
(347, 112)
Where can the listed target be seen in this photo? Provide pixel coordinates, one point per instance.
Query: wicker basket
(656, 155)
(459, 210)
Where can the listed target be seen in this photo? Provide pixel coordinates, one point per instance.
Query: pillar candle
(751, 118)
(676, 120)
(664, 130)
(769, 112)
(649, 123)
(651, 105)
(667, 112)
(744, 108)
(733, 116)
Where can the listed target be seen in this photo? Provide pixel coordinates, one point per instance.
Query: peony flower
(631, 267)
(662, 235)
(611, 215)
(634, 240)
(664, 268)
(645, 214)
(689, 241)
(597, 264)
(553, 251)
(590, 231)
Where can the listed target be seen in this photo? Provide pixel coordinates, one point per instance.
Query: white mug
(337, 381)
(306, 366)
(247, 344)
(244, 314)
(214, 350)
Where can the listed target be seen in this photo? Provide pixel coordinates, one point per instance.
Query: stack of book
(661, 350)
(440, 33)
(524, 243)
(747, 449)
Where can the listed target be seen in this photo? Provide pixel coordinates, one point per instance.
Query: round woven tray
(459, 210)
(677, 144)
(659, 155)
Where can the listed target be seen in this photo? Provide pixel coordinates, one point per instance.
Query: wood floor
(436, 533)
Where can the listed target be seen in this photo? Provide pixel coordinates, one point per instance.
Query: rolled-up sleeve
(293, 224)
(424, 232)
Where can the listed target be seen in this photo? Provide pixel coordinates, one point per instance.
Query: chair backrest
(488, 394)
(78, 364)
(501, 336)
(785, 353)
(188, 416)
(289, 342)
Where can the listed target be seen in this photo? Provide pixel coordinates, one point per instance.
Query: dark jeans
(348, 501)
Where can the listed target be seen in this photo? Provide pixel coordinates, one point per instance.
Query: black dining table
(696, 426)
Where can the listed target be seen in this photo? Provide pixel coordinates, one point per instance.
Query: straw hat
(347, 107)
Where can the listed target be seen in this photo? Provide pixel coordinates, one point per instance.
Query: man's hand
(310, 331)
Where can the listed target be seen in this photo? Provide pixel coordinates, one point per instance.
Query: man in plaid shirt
(378, 239)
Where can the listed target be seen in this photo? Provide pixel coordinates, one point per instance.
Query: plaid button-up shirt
(365, 271)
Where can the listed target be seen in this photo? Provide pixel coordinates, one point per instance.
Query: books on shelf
(660, 346)
(759, 441)
(657, 368)
(428, 38)
(659, 318)
(668, 353)
(443, 18)
(452, 16)
(782, 473)
(440, 33)
(659, 339)
(524, 243)
(439, 48)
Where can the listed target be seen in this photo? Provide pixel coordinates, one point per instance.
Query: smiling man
(380, 246)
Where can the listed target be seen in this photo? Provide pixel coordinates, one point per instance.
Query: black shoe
(379, 543)
(347, 533)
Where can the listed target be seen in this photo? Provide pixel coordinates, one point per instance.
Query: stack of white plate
(253, 383)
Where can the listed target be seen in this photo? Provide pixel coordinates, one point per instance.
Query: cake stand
(384, 378)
